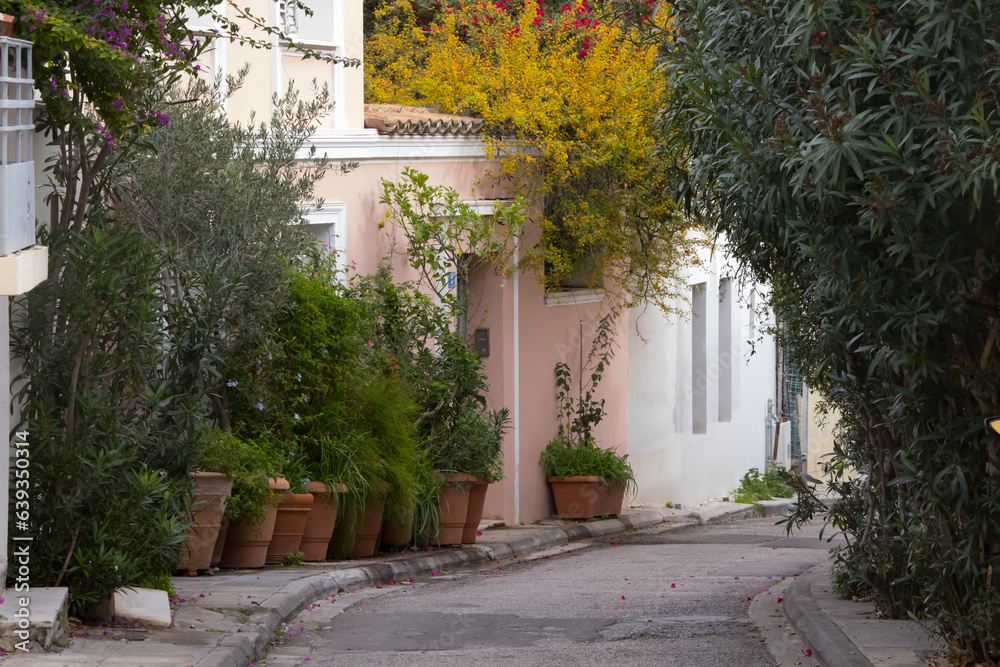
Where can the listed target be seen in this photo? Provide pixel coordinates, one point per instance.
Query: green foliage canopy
(849, 152)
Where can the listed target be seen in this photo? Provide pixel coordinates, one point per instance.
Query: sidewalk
(844, 633)
(228, 620)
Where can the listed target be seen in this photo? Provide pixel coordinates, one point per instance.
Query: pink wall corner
(492, 307)
(361, 189)
(547, 334)
(550, 334)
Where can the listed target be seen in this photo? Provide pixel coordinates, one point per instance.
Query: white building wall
(671, 462)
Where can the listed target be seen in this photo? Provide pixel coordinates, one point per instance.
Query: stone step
(37, 615)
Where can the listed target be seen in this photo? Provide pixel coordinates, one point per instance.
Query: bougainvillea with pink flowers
(569, 100)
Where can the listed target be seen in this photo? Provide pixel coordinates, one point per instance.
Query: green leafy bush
(293, 559)
(754, 487)
(311, 393)
(220, 203)
(562, 459)
(160, 582)
(412, 339)
(250, 463)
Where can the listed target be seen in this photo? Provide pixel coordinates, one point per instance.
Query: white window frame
(332, 216)
(334, 47)
(288, 18)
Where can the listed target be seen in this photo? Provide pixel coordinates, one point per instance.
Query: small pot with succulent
(586, 480)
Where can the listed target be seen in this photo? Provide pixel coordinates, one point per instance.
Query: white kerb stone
(146, 605)
(45, 613)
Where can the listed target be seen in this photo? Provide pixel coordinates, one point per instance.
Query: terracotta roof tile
(397, 119)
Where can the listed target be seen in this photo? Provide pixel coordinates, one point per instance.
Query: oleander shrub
(849, 153)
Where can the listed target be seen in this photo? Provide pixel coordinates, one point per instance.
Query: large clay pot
(6, 25)
(246, 543)
(293, 511)
(212, 491)
(477, 499)
(453, 507)
(220, 542)
(368, 530)
(397, 529)
(321, 520)
(584, 497)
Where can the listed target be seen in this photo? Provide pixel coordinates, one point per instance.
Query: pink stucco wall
(547, 334)
(361, 190)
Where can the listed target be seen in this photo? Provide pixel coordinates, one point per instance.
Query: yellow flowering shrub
(569, 103)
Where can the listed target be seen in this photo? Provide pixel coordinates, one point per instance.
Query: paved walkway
(229, 620)
(845, 633)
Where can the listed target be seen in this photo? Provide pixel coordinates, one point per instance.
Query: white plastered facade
(690, 439)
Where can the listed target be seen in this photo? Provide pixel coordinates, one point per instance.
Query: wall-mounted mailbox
(482, 342)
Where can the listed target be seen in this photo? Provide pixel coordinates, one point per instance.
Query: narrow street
(663, 598)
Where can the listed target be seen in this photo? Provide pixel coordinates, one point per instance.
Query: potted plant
(252, 509)
(213, 485)
(426, 520)
(586, 480)
(292, 512)
(321, 520)
(469, 452)
(389, 415)
(352, 458)
(486, 464)
(463, 437)
(402, 521)
(397, 528)
(331, 465)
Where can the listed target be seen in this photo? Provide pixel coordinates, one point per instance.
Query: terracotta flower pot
(321, 520)
(477, 499)
(453, 508)
(6, 24)
(212, 491)
(584, 497)
(220, 542)
(246, 542)
(293, 511)
(397, 530)
(368, 530)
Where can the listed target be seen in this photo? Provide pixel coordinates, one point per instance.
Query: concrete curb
(251, 641)
(830, 645)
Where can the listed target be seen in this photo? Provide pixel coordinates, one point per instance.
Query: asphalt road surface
(654, 598)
